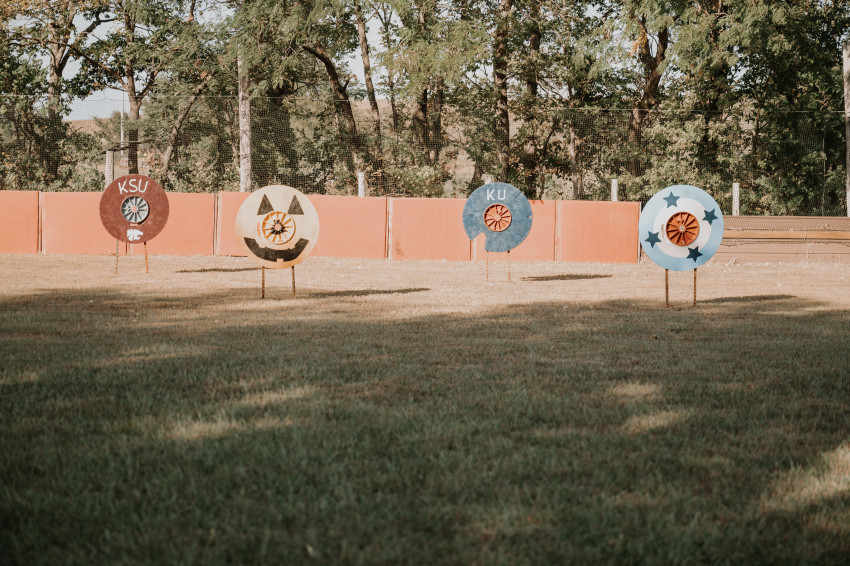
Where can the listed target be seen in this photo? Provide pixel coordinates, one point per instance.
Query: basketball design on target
(134, 208)
(501, 212)
(681, 227)
(278, 226)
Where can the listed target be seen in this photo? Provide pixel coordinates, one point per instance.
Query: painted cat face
(278, 226)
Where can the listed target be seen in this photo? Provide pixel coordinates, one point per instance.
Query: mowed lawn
(412, 413)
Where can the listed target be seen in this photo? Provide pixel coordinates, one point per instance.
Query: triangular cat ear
(295, 206)
(265, 206)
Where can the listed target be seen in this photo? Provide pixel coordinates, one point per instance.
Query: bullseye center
(497, 217)
(682, 228)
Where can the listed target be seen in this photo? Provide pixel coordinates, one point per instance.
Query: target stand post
(667, 288)
(293, 283)
(116, 256)
(262, 282)
(147, 270)
(695, 287)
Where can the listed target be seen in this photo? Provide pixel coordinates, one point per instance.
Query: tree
(131, 55)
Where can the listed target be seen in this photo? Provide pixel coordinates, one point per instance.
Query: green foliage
(650, 93)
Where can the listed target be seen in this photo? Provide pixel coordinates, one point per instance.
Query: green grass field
(410, 413)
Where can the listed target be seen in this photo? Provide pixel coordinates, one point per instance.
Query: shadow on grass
(166, 429)
(748, 299)
(219, 270)
(362, 292)
(565, 277)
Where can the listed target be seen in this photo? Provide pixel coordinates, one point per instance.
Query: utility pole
(846, 50)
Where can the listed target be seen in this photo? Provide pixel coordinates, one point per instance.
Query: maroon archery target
(134, 208)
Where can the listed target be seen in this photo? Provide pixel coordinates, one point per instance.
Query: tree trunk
(342, 105)
(133, 132)
(419, 123)
(531, 150)
(175, 128)
(370, 93)
(575, 174)
(648, 99)
(437, 119)
(501, 131)
(245, 158)
(846, 65)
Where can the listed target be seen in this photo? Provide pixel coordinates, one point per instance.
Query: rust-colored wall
(351, 226)
(19, 222)
(190, 229)
(595, 231)
(540, 243)
(70, 224)
(204, 224)
(428, 229)
(227, 243)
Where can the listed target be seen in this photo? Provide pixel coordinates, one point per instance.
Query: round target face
(278, 226)
(134, 208)
(681, 227)
(501, 212)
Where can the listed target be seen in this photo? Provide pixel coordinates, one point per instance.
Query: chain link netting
(784, 163)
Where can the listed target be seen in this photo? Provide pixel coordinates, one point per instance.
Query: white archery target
(278, 226)
(657, 213)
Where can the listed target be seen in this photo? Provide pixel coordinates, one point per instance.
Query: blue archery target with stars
(680, 227)
(501, 212)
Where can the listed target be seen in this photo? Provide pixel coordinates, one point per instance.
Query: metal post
(509, 265)
(109, 168)
(263, 283)
(846, 51)
(361, 184)
(116, 257)
(736, 199)
(615, 187)
(695, 287)
(486, 266)
(666, 288)
(146, 258)
(293, 283)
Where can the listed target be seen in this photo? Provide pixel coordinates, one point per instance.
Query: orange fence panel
(351, 226)
(227, 242)
(70, 224)
(428, 229)
(602, 232)
(540, 243)
(190, 229)
(19, 222)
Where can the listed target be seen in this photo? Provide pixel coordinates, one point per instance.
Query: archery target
(501, 212)
(134, 208)
(681, 227)
(278, 226)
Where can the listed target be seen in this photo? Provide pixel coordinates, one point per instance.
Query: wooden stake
(263, 283)
(509, 265)
(666, 288)
(116, 257)
(146, 258)
(293, 283)
(695, 287)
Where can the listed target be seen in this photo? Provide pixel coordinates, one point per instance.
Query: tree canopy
(555, 96)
